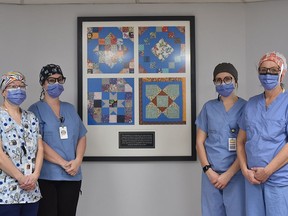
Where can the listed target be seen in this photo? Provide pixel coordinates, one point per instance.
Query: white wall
(32, 36)
(266, 28)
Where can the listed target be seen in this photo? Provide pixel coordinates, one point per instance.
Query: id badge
(28, 169)
(63, 132)
(232, 144)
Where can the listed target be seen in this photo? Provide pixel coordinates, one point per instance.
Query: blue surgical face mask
(55, 90)
(269, 81)
(16, 96)
(225, 89)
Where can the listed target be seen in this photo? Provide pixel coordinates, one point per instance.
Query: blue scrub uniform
(219, 126)
(266, 130)
(66, 148)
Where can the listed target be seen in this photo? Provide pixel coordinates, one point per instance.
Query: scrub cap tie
(9, 77)
(276, 57)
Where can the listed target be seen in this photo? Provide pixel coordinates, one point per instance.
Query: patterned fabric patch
(20, 144)
(110, 50)
(162, 101)
(162, 49)
(110, 101)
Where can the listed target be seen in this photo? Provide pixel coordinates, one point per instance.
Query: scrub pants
(227, 202)
(266, 200)
(60, 198)
(27, 209)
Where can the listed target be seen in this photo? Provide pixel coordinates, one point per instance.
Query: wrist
(244, 167)
(79, 159)
(19, 176)
(36, 173)
(267, 171)
(206, 168)
(62, 163)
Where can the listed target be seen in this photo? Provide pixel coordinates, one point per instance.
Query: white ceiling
(23, 2)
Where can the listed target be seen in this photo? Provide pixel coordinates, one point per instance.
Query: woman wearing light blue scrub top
(222, 185)
(262, 142)
(64, 138)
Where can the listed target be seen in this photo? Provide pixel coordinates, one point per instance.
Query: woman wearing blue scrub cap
(262, 142)
(222, 185)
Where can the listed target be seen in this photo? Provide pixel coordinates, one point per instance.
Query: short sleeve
(82, 129)
(202, 120)
(241, 121)
(34, 109)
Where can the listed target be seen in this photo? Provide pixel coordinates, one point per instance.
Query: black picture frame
(103, 137)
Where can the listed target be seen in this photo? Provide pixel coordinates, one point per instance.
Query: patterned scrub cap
(276, 57)
(49, 70)
(9, 77)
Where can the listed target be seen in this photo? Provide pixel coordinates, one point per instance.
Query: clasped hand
(28, 182)
(72, 167)
(257, 175)
(219, 181)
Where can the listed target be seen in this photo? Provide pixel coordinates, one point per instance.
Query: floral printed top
(20, 143)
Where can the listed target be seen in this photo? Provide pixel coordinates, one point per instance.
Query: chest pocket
(10, 140)
(274, 130)
(251, 130)
(49, 138)
(233, 130)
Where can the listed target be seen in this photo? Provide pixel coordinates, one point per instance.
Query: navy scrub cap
(47, 71)
(226, 67)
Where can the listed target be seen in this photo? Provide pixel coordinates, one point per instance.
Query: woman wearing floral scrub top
(21, 151)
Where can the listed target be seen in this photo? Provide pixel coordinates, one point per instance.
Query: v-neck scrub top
(220, 125)
(20, 143)
(266, 131)
(66, 148)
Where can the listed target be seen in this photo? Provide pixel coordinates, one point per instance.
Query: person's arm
(241, 154)
(81, 148)
(225, 177)
(39, 157)
(10, 169)
(201, 152)
(73, 166)
(53, 157)
(33, 178)
(281, 159)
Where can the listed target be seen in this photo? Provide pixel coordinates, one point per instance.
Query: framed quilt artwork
(136, 87)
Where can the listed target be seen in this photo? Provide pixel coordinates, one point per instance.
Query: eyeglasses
(272, 71)
(23, 87)
(52, 80)
(227, 80)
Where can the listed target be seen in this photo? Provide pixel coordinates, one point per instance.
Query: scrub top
(221, 127)
(50, 130)
(266, 131)
(20, 143)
